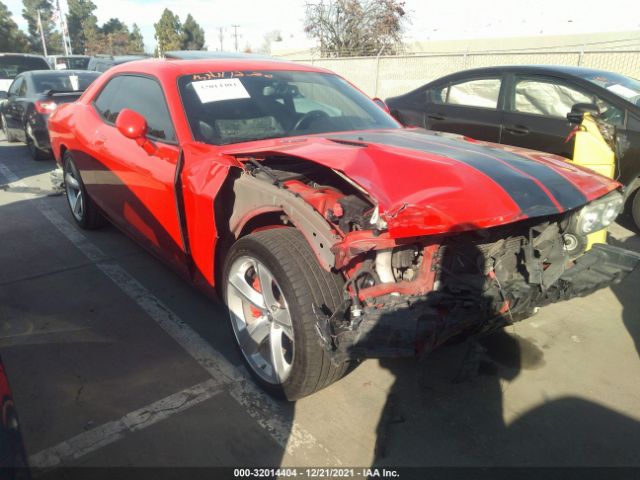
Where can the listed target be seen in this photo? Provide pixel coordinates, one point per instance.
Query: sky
(436, 20)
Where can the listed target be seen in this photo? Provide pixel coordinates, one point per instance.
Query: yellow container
(592, 151)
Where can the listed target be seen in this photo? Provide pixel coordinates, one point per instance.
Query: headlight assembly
(600, 213)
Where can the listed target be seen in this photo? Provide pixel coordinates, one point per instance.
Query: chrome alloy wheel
(74, 193)
(260, 319)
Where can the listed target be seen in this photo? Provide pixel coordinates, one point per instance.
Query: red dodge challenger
(331, 232)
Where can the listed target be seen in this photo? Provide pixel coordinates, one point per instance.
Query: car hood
(428, 182)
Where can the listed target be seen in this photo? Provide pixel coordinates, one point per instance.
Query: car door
(136, 189)
(536, 110)
(11, 108)
(469, 106)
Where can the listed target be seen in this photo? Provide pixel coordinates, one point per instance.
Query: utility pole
(44, 44)
(221, 37)
(66, 42)
(235, 35)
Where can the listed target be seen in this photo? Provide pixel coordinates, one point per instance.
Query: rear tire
(282, 258)
(83, 210)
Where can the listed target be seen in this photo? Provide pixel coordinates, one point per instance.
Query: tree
(52, 38)
(113, 25)
(192, 35)
(12, 39)
(269, 38)
(136, 40)
(168, 32)
(113, 38)
(346, 28)
(81, 22)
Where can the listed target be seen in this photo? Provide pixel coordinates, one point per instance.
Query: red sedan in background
(330, 231)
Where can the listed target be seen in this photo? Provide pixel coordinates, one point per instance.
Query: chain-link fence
(393, 75)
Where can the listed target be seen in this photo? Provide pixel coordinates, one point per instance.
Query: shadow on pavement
(431, 421)
(80, 354)
(431, 418)
(627, 293)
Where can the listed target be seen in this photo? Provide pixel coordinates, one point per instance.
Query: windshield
(72, 63)
(233, 107)
(63, 81)
(624, 87)
(10, 66)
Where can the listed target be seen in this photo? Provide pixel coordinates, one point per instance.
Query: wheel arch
(246, 204)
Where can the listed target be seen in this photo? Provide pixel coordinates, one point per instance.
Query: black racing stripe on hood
(565, 192)
(532, 200)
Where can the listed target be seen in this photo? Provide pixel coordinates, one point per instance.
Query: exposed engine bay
(406, 296)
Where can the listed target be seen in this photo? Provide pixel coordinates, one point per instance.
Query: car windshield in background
(233, 107)
(625, 87)
(72, 63)
(61, 81)
(10, 65)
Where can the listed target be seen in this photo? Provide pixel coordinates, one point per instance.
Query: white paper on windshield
(220, 89)
(75, 84)
(622, 91)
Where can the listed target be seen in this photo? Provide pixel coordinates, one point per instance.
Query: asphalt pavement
(115, 361)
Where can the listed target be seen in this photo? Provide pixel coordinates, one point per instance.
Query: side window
(142, 95)
(547, 98)
(609, 113)
(438, 94)
(22, 89)
(480, 92)
(105, 98)
(15, 86)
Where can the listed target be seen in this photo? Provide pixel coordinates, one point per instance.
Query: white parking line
(262, 408)
(111, 432)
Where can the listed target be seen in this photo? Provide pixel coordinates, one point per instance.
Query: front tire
(83, 210)
(271, 279)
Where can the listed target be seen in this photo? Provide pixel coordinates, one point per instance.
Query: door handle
(436, 116)
(517, 129)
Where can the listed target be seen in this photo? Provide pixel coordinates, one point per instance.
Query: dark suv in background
(11, 64)
(102, 63)
(527, 106)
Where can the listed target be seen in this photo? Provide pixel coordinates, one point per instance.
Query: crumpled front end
(431, 244)
(412, 298)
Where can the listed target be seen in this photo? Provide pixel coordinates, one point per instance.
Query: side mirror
(576, 115)
(381, 104)
(133, 125)
(3, 95)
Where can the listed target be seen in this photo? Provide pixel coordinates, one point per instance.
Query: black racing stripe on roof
(532, 200)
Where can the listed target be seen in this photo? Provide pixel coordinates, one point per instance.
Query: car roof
(205, 54)
(69, 56)
(177, 68)
(54, 73)
(31, 55)
(569, 70)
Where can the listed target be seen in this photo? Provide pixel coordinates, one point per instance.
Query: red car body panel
(419, 191)
(424, 193)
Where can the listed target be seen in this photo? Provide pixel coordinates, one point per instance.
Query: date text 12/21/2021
(315, 473)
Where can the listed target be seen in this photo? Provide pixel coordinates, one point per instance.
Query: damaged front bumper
(402, 325)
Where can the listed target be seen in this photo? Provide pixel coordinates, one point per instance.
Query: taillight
(46, 106)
